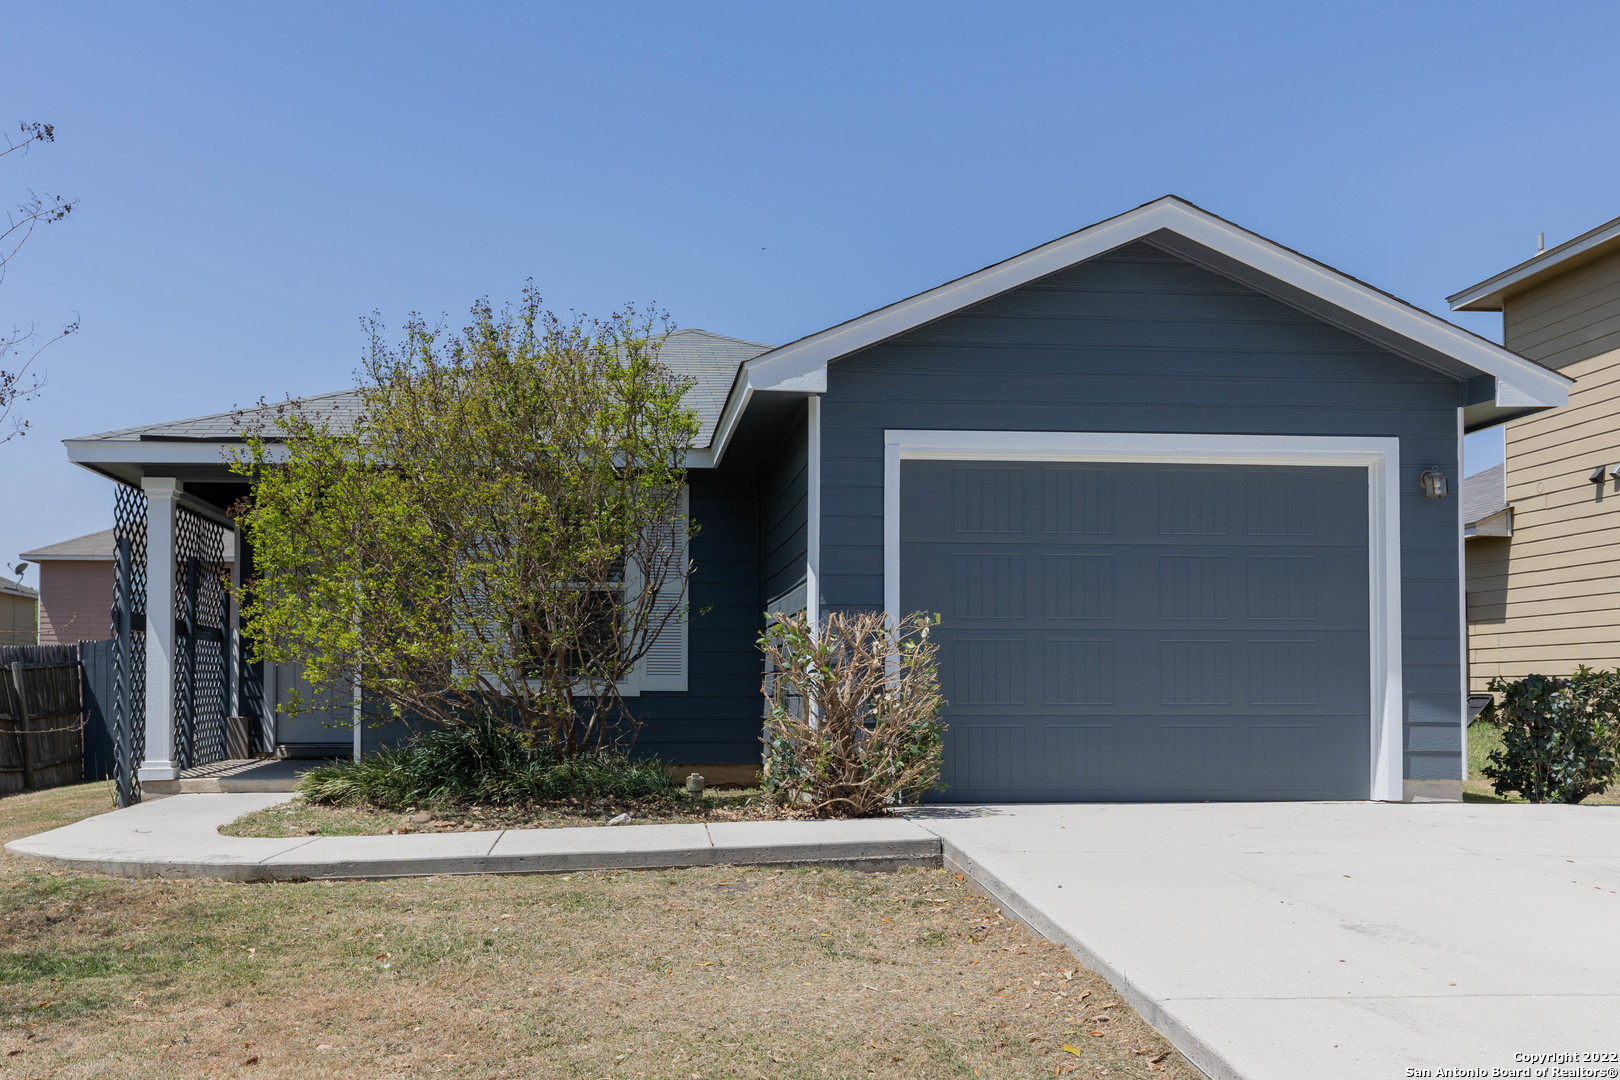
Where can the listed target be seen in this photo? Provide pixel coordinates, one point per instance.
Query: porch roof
(710, 361)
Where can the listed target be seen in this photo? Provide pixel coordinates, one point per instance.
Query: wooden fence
(41, 716)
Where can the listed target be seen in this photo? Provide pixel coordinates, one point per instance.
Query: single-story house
(76, 587)
(19, 613)
(1543, 596)
(1178, 492)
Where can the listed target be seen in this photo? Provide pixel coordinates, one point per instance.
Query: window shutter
(665, 664)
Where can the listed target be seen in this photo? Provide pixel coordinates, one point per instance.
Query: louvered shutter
(665, 664)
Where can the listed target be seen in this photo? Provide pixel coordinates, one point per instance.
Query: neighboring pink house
(76, 587)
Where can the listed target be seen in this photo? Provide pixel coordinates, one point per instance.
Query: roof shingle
(709, 360)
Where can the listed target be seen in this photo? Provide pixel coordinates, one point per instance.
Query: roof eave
(802, 364)
(1490, 294)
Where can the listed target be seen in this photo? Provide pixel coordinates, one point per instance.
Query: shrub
(871, 736)
(487, 763)
(1560, 736)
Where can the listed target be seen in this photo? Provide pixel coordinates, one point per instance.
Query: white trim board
(812, 503)
(1381, 457)
(222, 452)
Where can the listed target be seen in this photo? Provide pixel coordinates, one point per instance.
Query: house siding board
(716, 720)
(784, 504)
(1548, 599)
(76, 599)
(17, 620)
(1568, 318)
(1298, 374)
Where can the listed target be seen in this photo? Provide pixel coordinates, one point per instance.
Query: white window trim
(637, 679)
(1381, 457)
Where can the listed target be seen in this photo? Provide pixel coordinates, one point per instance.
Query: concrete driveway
(1327, 939)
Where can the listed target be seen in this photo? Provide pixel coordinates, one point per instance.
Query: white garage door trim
(1381, 457)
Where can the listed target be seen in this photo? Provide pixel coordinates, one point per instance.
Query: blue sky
(253, 182)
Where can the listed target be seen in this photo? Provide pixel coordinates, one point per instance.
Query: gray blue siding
(785, 504)
(716, 720)
(1142, 341)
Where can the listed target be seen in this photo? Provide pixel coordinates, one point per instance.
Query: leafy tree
(492, 535)
(20, 383)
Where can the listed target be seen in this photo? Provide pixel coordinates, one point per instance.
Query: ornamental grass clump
(1560, 736)
(854, 705)
(484, 762)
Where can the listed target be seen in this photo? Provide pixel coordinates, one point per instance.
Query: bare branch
(19, 385)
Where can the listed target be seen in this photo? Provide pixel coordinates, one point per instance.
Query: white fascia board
(810, 382)
(804, 358)
(132, 452)
(1489, 294)
(1379, 455)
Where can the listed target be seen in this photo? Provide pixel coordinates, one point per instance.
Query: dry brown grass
(710, 973)
(301, 818)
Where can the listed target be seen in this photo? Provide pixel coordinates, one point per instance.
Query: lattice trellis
(129, 634)
(201, 672)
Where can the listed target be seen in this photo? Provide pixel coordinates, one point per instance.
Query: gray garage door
(1144, 631)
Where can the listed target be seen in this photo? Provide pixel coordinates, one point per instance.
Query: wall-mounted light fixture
(1434, 483)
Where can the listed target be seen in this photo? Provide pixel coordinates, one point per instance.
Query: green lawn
(1482, 739)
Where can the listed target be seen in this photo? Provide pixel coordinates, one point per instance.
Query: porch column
(162, 497)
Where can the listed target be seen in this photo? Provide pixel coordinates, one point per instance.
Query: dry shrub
(871, 736)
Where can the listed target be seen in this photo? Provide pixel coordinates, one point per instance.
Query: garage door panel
(1077, 585)
(987, 585)
(1077, 502)
(1145, 632)
(986, 757)
(1077, 671)
(1081, 758)
(985, 671)
(1194, 502)
(1146, 673)
(987, 501)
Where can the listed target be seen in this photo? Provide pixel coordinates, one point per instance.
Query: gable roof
(710, 361)
(1195, 234)
(14, 588)
(97, 547)
(1489, 294)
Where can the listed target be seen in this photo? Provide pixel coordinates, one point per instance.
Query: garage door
(1135, 631)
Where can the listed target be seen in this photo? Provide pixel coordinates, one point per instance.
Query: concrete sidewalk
(179, 836)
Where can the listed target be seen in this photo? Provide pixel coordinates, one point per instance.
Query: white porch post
(162, 496)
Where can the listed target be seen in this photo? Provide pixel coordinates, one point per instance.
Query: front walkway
(179, 836)
(1327, 940)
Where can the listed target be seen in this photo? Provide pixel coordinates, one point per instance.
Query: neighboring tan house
(19, 614)
(1543, 593)
(76, 587)
(1178, 492)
